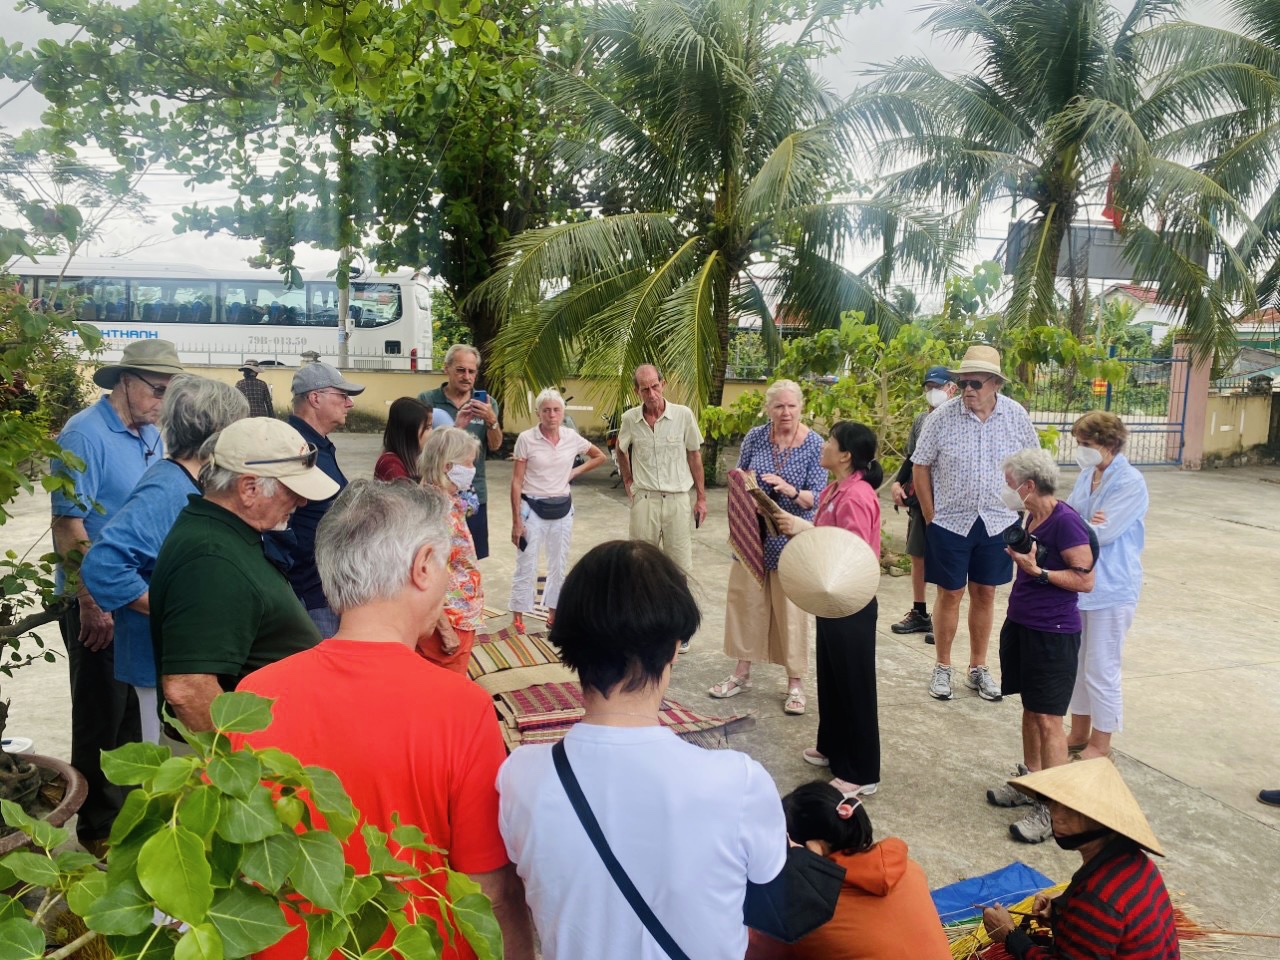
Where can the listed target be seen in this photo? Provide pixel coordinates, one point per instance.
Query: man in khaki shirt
(660, 459)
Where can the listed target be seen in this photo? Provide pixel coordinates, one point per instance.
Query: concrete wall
(1233, 424)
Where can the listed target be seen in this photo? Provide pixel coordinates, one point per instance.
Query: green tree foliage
(222, 840)
(1067, 98)
(723, 151)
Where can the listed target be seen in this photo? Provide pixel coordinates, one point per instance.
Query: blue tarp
(1007, 885)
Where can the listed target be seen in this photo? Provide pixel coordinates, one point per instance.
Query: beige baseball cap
(266, 447)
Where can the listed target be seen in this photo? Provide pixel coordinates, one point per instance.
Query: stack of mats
(538, 699)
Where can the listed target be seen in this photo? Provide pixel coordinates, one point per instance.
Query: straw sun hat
(1093, 788)
(981, 359)
(829, 572)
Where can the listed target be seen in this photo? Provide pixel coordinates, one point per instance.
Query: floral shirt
(464, 601)
(798, 466)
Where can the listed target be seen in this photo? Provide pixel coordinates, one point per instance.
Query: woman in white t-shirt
(541, 505)
(689, 826)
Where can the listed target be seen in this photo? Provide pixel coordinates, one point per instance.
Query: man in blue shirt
(116, 438)
(321, 400)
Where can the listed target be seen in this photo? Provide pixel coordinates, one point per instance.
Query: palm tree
(1071, 102)
(724, 154)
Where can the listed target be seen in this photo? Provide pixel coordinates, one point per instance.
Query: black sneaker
(928, 638)
(913, 622)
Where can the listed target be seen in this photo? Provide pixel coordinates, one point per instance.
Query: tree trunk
(720, 310)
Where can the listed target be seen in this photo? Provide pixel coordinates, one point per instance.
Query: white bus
(227, 317)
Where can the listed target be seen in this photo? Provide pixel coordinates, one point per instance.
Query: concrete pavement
(1202, 715)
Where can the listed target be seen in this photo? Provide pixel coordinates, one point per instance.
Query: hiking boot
(928, 638)
(1035, 827)
(940, 685)
(913, 622)
(980, 679)
(1006, 796)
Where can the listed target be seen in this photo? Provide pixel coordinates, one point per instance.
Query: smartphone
(524, 543)
(697, 521)
(480, 396)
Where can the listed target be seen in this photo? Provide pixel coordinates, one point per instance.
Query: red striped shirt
(1115, 907)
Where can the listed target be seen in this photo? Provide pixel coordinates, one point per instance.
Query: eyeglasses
(156, 391)
(334, 392)
(971, 384)
(308, 459)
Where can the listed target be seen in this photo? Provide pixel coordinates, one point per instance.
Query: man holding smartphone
(458, 404)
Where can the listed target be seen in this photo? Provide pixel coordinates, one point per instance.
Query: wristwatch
(1043, 577)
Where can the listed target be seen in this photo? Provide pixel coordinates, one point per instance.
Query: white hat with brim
(980, 359)
(829, 572)
(266, 447)
(145, 356)
(1095, 789)
(250, 366)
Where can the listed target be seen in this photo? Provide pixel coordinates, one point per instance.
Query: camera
(1020, 540)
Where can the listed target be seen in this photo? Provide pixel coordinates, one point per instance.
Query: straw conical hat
(829, 572)
(1095, 789)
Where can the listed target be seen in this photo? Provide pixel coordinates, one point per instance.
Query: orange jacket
(884, 913)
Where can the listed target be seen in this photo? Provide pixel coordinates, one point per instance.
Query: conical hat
(829, 572)
(1093, 788)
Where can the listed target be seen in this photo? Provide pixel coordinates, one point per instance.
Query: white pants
(555, 536)
(149, 714)
(1097, 690)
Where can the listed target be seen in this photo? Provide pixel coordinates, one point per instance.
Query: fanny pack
(549, 508)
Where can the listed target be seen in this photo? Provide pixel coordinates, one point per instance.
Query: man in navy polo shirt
(321, 400)
(117, 440)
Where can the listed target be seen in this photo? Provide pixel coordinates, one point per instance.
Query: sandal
(811, 755)
(851, 790)
(794, 704)
(730, 686)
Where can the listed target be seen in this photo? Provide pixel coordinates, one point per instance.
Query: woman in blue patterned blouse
(760, 623)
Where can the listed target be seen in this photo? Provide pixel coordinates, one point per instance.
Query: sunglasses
(156, 390)
(971, 384)
(308, 459)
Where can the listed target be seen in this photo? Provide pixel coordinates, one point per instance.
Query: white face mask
(936, 397)
(1087, 457)
(1012, 499)
(462, 476)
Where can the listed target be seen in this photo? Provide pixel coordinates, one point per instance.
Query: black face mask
(1074, 841)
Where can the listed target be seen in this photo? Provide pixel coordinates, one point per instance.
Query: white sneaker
(940, 685)
(979, 678)
(1035, 827)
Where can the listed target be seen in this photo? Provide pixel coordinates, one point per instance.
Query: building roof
(1145, 295)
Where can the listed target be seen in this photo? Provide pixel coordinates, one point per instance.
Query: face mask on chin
(1087, 457)
(1074, 841)
(935, 397)
(1012, 499)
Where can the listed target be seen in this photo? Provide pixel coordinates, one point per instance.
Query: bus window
(96, 299)
(372, 304)
(244, 302)
(192, 301)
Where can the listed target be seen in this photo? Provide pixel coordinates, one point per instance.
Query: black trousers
(104, 715)
(478, 524)
(848, 717)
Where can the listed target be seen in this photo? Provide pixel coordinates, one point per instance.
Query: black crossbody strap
(592, 826)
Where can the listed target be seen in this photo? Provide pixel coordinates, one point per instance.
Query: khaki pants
(666, 521)
(762, 625)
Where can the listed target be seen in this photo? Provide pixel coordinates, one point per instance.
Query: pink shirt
(853, 505)
(547, 464)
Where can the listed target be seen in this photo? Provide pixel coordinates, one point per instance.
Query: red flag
(1109, 210)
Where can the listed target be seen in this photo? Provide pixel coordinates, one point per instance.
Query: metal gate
(1151, 399)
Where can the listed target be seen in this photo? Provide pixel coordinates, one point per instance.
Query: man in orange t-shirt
(405, 737)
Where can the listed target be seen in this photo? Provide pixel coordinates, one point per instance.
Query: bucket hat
(145, 356)
(266, 447)
(980, 359)
(250, 366)
(318, 376)
(829, 572)
(1095, 789)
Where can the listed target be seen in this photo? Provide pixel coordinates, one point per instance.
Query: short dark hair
(1103, 428)
(859, 441)
(623, 609)
(811, 814)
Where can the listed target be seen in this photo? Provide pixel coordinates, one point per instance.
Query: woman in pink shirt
(848, 721)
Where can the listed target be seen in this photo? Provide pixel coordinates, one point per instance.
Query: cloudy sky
(871, 37)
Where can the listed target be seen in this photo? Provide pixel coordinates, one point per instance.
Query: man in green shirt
(456, 405)
(219, 607)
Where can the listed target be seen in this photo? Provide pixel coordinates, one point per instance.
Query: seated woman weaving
(1116, 904)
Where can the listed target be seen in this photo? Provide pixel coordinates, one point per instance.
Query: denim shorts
(951, 561)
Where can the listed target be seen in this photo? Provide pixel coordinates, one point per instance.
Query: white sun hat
(829, 572)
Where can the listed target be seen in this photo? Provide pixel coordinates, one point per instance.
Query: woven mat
(538, 699)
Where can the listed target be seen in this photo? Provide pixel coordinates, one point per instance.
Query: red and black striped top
(1116, 906)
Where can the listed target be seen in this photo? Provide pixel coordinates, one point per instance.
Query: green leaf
(201, 942)
(32, 868)
(224, 860)
(155, 944)
(132, 813)
(82, 895)
(133, 763)
(247, 920)
(198, 810)
(71, 861)
(268, 862)
(357, 891)
(319, 870)
(173, 869)
(124, 910)
(331, 799)
(326, 932)
(420, 940)
(279, 764)
(248, 820)
(234, 712)
(16, 817)
(174, 774)
(473, 915)
(11, 909)
(19, 940)
(235, 774)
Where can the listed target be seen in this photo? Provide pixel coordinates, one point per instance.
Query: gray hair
(549, 393)
(367, 540)
(451, 354)
(782, 386)
(441, 448)
(195, 407)
(216, 480)
(1036, 464)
